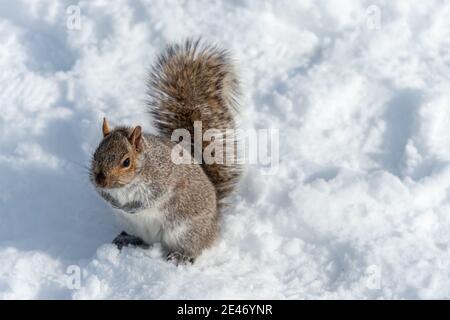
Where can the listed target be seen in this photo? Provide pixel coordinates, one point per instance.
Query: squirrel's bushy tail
(196, 82)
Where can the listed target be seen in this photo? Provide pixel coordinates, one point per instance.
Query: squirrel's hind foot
(178, 258)
(125, 240)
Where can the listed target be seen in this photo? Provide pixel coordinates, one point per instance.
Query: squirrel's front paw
(178, 258)
(124, 240)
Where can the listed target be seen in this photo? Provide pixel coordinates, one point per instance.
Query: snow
(358, 208)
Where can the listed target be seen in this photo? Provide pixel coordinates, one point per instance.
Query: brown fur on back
(196, 82)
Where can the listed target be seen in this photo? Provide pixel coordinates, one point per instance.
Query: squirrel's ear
(136, 138)
(105, 127)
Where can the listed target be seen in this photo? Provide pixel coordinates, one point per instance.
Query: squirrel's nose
(100, 178)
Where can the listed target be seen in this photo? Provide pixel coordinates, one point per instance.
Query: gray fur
(157, 199)
(129, 207)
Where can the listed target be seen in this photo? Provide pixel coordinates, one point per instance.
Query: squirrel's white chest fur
(146, 223)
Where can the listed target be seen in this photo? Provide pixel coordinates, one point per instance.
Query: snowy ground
(360, 205)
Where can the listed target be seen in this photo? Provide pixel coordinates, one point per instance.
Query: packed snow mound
(358, 208)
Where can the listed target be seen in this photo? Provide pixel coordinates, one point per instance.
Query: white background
(359, 207)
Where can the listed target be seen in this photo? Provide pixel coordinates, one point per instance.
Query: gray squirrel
(157, 200)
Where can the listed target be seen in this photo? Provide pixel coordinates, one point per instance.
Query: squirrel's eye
(126, 162)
